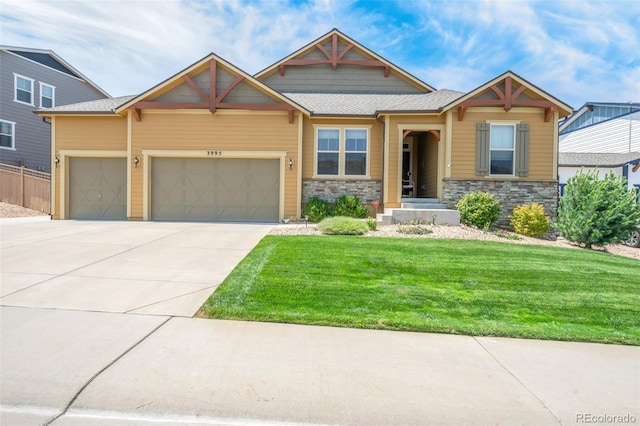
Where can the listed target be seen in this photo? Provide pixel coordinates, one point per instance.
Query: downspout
(383, 176)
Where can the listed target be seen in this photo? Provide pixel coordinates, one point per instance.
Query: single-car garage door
(204, 189)
(98, 188)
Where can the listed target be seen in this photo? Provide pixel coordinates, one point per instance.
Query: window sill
(24, 103)
(341, 177)
(8, 148)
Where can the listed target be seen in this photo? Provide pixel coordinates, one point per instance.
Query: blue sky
(578, 51)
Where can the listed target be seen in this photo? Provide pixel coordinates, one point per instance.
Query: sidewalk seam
(105, 368)
(518, 380)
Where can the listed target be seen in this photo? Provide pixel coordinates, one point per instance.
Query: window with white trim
(502, 149)
(23, 92)
(7, 135)
(47, 95)
(342, 152)
(328, 146)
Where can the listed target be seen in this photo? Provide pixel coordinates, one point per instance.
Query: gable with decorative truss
(211, 84)
(509, 91)
(333, 64)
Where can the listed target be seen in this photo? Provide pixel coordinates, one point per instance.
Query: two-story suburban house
(31, 79)
(215, 143)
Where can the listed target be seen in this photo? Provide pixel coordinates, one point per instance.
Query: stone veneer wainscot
(509, 194)
(331, 189)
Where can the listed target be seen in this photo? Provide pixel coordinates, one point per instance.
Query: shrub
(505, 234)
(349, 206)
(340, 225)
(316, 209)
(479, 209)
(372, 223)
(596, 211)
(417, 227)
(530, 220)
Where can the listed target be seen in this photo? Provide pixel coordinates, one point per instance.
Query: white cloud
(577, 51)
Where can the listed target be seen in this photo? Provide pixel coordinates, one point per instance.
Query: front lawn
(448, 286)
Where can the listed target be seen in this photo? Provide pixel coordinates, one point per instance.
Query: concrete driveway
(95, 329)
(160, 268)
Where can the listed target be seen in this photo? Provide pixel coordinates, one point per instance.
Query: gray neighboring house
(31, 79)
(625, 165)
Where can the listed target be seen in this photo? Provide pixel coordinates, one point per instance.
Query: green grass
(445, 286)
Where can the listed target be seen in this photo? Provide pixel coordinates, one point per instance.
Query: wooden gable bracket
(213, 71)
(137, 114)
(211, 101)
(508, 100)
(461, 110)
(406, 133)
(636, 167)
(334, 59)
(435, 133)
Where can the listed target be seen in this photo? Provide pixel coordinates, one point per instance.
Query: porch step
(427, 210)
(422, 204)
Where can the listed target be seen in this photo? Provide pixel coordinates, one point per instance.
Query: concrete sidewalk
(196, 371)
(96, 329)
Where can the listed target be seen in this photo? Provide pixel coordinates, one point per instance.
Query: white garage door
(223, 190)
(98, 188)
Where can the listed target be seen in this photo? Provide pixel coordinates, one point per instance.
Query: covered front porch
(414, 171)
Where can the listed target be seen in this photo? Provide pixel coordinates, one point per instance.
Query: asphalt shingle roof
(348, 104)
(98, 106)
(578, 159)
(369, 104)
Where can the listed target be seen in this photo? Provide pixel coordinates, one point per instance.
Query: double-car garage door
(203, 189)
(189, 189)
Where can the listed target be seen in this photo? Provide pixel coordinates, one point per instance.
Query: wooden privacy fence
(25, 187)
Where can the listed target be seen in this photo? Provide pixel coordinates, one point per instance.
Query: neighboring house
(602, 127)
(626, 165)
(215, 143)
(604, 135)
(31, 79)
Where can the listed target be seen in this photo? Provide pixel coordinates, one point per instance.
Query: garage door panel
(98, 188)
(215, 189)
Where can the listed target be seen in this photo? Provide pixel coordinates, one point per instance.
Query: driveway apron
(65, 286)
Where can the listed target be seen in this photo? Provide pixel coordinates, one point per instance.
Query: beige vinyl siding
(97, 133)
(224, 131)
(309, 141)
(87, 133)
(541, 141)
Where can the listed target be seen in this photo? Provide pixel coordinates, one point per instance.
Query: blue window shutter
(522, 150)
(482, 148)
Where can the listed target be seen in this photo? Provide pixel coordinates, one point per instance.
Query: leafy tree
(596, 211)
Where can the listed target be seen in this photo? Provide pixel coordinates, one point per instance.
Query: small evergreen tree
(596, 211)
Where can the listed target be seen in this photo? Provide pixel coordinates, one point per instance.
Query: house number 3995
(214, 153)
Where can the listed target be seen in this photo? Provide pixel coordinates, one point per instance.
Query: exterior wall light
(290, 163)
(136, 161)
(56, 161)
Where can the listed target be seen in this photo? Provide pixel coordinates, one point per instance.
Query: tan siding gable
(541, 142)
